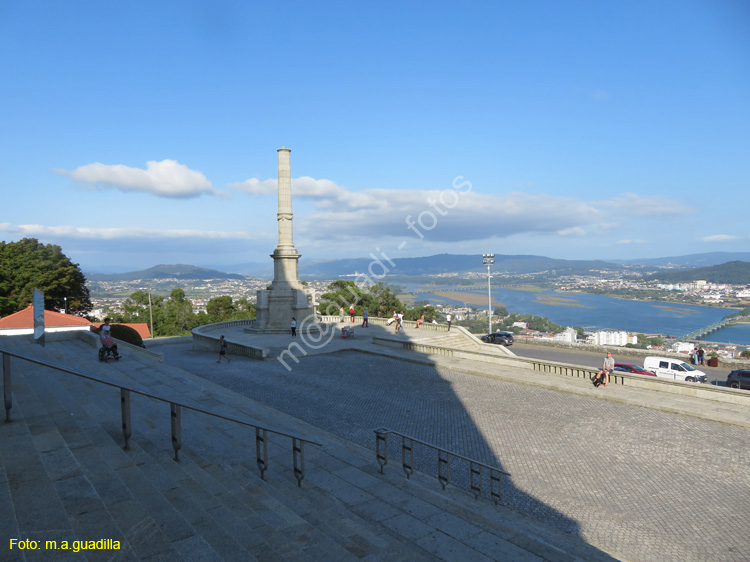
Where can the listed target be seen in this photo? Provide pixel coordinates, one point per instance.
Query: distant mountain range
(732, 273)
(449, 263)
(691, 260)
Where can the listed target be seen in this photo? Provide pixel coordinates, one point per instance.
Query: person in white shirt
(607, 367)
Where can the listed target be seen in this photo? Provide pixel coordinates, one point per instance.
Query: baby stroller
(108, 350)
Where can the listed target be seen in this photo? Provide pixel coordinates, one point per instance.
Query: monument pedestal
(277, 306)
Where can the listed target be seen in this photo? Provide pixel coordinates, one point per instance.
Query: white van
(669, 368)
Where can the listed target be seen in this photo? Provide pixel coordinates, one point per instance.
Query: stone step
(213, 503)
(190, 508)
(187, 508)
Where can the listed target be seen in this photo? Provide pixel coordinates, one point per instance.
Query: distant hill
(248, 269)
(690, 260)
(404, 267)
(447, 263)
(165, 272)
(733, 272)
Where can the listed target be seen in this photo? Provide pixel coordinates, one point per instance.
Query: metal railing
(175, 407)
(476, 469)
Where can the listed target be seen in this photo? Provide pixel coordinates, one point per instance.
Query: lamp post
(488, 260)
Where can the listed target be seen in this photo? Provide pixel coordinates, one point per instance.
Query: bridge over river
(701, 332)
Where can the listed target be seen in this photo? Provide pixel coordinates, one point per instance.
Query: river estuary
(600, 312)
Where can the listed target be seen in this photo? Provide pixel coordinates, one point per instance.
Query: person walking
(223, 350)
(365, 323)
(351, 312)
(607, 367)
(449, 318)
(294, 327)
(701, 356)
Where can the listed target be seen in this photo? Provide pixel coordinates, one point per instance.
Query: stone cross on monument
(285, 297)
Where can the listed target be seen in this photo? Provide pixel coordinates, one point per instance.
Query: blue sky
(138, 133)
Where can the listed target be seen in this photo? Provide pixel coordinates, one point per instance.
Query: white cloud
(632, 241)
(720, 238)
(324, 192)
(83, 233)
(573, 231)
(648, 206)
(447, 215)
(167, 178)
(256, 187)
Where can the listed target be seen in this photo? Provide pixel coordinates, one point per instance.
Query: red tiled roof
(25, 319)
(141, 328)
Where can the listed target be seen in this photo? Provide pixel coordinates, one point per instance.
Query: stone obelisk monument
(285, 297)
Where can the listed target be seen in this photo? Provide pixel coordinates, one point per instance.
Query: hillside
(449, 263)
(733, 272)
(705, 259)
(178, 271)
(400, 267)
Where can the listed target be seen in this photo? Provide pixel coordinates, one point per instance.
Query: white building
(611, 337)
(683, 347)
(570, 335)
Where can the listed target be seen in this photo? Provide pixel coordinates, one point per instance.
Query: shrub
(127, 334)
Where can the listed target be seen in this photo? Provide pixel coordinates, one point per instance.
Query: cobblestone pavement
(651, 485)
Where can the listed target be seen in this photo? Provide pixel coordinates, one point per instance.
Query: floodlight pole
(488, 260)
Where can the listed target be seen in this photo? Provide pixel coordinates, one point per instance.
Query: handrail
(261, 432)
(443, 469)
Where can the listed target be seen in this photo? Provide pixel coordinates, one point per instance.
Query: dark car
(739, 378)
(635, 369)
(501, 338)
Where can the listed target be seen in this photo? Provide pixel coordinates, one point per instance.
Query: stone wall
(636, 354)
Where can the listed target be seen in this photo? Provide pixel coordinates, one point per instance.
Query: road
(716, 375)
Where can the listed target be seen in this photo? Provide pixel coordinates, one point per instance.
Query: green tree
(474, 325)
(246, 306)
(656, 341)
(7, 306)
(382, 301)
(342, 293)
(429, 312)
(178, 315)
(220, 308)
(27, 264)
(223, 309)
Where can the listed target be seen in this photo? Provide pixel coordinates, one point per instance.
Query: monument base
(277, 306)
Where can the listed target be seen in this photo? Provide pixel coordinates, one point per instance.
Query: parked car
(670, 368)
(501, 338)
(739, 378)
(635, 369)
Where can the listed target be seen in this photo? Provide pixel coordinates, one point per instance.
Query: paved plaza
(649, 484)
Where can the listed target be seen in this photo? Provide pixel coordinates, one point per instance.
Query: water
(737, 333)
(600, 312)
